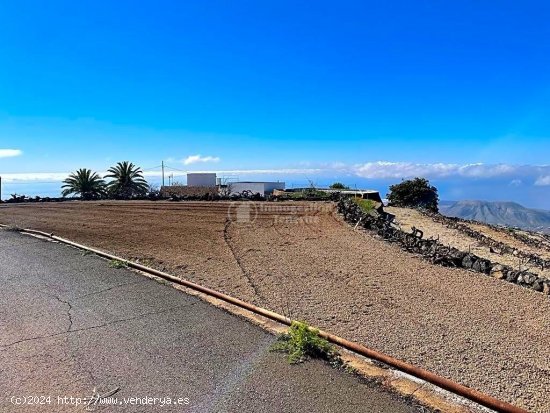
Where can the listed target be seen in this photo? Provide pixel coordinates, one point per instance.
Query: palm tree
(85, 183)
(127, 181)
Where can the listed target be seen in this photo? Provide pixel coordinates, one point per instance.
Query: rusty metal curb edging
(439, 381)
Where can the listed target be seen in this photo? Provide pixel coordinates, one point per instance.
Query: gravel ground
(502, 236)
(408, 218)
(479, 331)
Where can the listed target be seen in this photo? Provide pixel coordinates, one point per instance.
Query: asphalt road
(71, 326)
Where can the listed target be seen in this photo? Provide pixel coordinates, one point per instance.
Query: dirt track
(482, 332)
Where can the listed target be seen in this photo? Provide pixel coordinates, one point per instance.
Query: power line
(150, 169)
(175, 169)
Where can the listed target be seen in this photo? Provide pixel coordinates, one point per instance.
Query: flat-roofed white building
(262, 188)
(201, 179)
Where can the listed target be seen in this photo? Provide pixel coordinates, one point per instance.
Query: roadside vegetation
(117, 264)
(303, 342)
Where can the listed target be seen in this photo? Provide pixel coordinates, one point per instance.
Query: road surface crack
(108, 289)
(69, 309)
(61, 333)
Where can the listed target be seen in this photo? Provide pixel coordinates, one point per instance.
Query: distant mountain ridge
(510, 214)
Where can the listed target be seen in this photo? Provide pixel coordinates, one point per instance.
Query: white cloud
(10, 153)
(282, 171)
(486, 171)
(34, 176)
(516, 182)
(383, 169)
(396, 170)
(192, 159)
(543, 181)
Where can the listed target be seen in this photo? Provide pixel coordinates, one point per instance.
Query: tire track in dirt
(245, 273)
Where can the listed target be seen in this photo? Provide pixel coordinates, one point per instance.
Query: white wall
(238, 187)
(201, 179)
(256, 187)
(270, 186)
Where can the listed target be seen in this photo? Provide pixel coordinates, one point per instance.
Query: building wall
(271, 186)
(263, 188)
(254, 187)
(201, 179)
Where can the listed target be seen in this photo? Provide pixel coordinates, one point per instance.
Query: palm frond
(84, 182)
(127, 180)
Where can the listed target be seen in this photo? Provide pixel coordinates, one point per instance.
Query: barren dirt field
(300, 257)
(408, 218)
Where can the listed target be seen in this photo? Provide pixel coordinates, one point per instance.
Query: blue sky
(364, 92)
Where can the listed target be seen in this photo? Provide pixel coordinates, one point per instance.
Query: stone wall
(434, 251)
(184, 191)
(497, 246)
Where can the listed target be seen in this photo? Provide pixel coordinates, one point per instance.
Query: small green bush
(366, 205)
(306, 194)
(338, 185)
(117, 264)
(303, 342)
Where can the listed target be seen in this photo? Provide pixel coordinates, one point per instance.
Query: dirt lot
(408, 218)
(485, 333)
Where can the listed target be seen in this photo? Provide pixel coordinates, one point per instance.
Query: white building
(262, 188)
(201, 179)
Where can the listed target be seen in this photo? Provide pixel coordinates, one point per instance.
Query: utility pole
(0, 188)
(162, 165)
